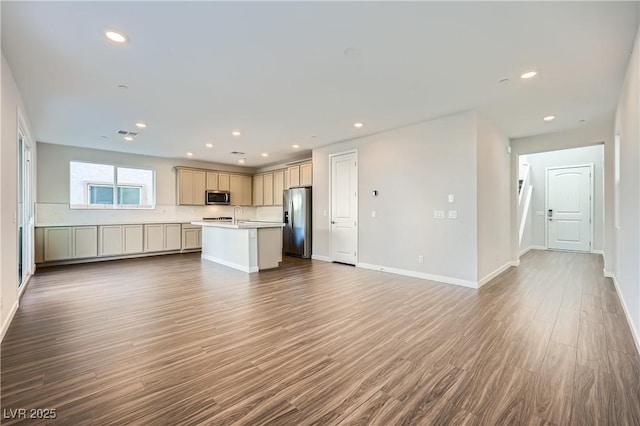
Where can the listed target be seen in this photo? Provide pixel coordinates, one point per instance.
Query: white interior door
(344, 208)
(569, 198)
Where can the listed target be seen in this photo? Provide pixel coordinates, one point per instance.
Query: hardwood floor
(176, 340)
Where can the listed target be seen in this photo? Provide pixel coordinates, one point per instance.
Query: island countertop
(241, 224)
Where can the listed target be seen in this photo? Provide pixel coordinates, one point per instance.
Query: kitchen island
(248, 246)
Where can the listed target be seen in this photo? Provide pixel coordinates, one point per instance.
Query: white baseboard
(416, 274)
(515, 262)
(634, 332)
(248, 269)
(525, 251)
(528, 249)
(607, 274)
(598, 252)
(6, 325)
(495, 273)
(322, 258)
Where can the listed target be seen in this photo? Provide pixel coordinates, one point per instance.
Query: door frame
(29, 266)
(546, 201)
(357, 236)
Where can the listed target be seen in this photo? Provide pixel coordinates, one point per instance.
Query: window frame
(114, 185)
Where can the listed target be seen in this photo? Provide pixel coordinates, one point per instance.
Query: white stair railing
(524, 200)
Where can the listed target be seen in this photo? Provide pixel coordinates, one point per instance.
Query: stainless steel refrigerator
(296, 233)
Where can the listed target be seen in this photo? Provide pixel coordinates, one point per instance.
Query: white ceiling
(278, 72)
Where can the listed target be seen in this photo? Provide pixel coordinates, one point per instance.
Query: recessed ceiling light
(141, 125)
(235, 133)
(264, 154)
(209, 145)
(549, 118)
(116, 36)
(189, 154)
(241, 161)
(358, 125)
(128, 138)
(529, 74)
(296, 146)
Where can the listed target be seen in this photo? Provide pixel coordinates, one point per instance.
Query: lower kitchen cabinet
(57, 243)
(132, 241)
(162, 237)
(191, 237)
(73, 242)
(115, 240)
(64, 243)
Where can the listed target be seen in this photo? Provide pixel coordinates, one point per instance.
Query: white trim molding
(634, 332)
(322, 258)
(528, 249)
(422, 275)
(598, 252)
(495, 273)
(6, 325)
(248, 269)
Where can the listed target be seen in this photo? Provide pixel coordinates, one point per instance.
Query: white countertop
(242, 224)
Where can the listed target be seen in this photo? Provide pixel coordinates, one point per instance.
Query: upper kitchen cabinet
(223, 182)
(212, 181)
(278, 187)
(268, 189)
(306, 174)
(240, 188)
(299, 175)
(294, 176)
(263, 186)
(258, 190)
(191, 187)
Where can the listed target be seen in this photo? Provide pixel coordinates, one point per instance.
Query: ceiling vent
(236, 153)
(127, 133)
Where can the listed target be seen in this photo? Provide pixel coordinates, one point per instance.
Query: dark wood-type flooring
(173, 340)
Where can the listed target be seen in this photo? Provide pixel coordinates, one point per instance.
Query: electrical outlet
(420, 259)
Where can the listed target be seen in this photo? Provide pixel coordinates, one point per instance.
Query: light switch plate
(453, 214)
(451, 198)
(438, 214)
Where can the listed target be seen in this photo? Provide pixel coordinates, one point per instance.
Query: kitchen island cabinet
(246, 246)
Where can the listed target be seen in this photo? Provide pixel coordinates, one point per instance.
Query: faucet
(234, 221)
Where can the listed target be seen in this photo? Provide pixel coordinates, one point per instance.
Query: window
(103, 186)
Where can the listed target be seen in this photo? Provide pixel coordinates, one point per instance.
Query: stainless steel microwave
(218, 197)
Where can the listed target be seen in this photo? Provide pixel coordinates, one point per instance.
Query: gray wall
(494, 193)
(413, 169)
(626, 265)
(568, 157)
